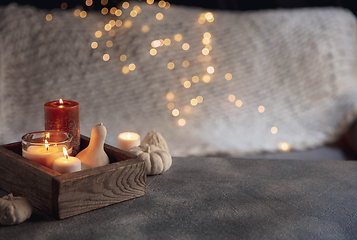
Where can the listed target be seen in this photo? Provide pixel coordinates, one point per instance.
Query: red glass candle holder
(64, 116)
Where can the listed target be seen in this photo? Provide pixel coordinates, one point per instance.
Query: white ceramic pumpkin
(156, 160)
(14, 210)
(155, 138)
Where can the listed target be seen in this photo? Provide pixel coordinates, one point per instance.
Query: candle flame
(65, 153)
(61, 102)
(46, 145)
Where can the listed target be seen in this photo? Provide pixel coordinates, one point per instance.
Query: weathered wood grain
(66, 195)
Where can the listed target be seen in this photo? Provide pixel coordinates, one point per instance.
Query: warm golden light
(118, 23)
(231, 98)
(205, 51)
(210, 69)
(274, 130)
(150, 1)
(206, 41)
(195, 79)
(181, 122)
(77, 12)
(170, 96)
(125, 5)
(185, 46)
(208, 16)
(64, 5)
(47, 135)
(175, 112)
(65, 153)
(83, 14)
(153, 52)
(178, 37)
(107, 27)
(162, 4)
(104, 11)
(46, 145)
(239, 103)
(118, 12)
(94, 45)
(60, 101)
(106, 57)
(123, 57)
(194, 102)
(111, 33)
(112, 10)
(109, 43)
(125, 70)
(201, 20)
(170, 105)
(112, 23)
(145, 28)
(170, 65)
(261, 109)
(167, 42)
(207, 58)
(185, 64)
(228, 76)
(49, 17)
(132, 66)
(137, 9)
(167, 6)
(207, 35)
(104, 2)
(98, 34)
(133, 13)
(206, 78)
(209, 47)
(129, 135)
(199, 99)
(187, 84)
(284, 146)
(127, 24)
(159, 16)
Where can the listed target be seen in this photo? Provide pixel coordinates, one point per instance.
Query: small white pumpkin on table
(14, 210)
(154, 152)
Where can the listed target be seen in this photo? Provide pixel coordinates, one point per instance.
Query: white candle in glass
(66, 164)
(127, 140)
(43, 154)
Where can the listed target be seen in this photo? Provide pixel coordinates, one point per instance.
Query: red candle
(63, 115)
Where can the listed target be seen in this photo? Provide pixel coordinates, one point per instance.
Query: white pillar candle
(127, 140)
(44, 155)
(66, 164)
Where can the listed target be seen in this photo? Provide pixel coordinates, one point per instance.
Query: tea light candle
(44, 147)
(63, 115)
(66, 164)
(127, 140)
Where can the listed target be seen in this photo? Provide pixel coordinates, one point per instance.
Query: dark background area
(242, 5)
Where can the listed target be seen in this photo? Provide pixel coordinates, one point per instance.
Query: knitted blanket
(209, 82)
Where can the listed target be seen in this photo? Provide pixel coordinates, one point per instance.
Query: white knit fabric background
(299, 64)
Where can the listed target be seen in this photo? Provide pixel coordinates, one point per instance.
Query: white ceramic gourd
(14, 210)
(155, 138)
(94, 155)
(156, 160)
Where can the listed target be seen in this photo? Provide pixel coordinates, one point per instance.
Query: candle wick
(66, 157)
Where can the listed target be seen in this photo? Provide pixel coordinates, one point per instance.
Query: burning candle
(44, 147)
(63, 115)
(66, 164)
(127, 140)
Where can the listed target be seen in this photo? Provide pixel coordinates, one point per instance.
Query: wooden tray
(66, 195)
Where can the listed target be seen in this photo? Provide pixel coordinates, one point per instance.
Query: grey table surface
(221, 198)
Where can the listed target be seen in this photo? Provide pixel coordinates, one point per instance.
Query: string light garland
(204, 57)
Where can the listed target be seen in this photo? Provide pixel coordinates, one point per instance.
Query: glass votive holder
(44, 147)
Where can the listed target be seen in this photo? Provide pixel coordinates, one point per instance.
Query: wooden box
(66, 195)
